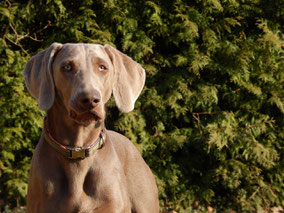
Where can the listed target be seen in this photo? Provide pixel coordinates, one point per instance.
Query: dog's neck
(67, 131)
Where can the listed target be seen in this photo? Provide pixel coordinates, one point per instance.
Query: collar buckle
(77, 153)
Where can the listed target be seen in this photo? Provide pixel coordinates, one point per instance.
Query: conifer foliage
(210, 119)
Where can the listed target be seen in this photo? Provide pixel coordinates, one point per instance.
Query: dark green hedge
(210, 119)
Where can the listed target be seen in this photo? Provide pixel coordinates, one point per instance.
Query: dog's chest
(85, 190)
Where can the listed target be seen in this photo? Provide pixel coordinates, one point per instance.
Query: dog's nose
(90, 99)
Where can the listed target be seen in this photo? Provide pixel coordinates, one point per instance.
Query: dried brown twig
(18, 37)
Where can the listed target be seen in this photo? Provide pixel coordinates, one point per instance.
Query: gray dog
(78, 165)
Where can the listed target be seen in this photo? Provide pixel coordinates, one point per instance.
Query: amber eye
(67, 67)
(102, 68)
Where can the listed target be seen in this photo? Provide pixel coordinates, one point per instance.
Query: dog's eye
(102, 68)
(67, 67)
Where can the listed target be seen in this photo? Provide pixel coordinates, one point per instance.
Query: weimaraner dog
(78, 165)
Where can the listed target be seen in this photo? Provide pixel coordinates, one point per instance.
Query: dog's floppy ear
(129, 77)
(39, 78)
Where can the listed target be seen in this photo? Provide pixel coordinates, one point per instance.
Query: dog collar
(73, 152)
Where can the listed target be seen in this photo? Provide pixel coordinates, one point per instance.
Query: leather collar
(73, 152)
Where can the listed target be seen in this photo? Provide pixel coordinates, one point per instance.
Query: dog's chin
(85, 118)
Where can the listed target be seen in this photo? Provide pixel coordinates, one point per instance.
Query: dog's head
(83, 77)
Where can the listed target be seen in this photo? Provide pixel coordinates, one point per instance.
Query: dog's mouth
(85, 117)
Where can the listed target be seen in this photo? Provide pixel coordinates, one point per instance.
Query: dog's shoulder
(123, 145)
(141, 183)
(119, 140)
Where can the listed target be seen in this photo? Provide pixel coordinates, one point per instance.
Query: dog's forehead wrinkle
(66, 56)
(89, 52)
(96, 50)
